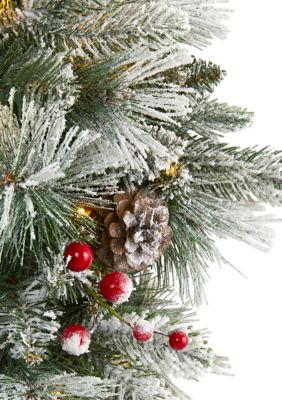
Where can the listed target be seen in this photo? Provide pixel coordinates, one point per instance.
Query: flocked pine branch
(203, 76)
(98, 28)
(212, 119)
(48, 386)
(28, 324)
(35, 72)
(206, 20)
(232, 203)
(193, 246)
(126, 99)
(54, 280)
(139, 383)
(41, 165)
(222, 179)
(98, 97)
(112, 339)
(155, 356)
(130, 104)
(228, 172)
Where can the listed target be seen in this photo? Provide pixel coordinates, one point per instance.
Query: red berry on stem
(79, 256)
(143, 331)
(116, 287)
(178, 340)
(75, 339)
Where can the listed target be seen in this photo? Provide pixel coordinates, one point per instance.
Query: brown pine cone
(136, 234)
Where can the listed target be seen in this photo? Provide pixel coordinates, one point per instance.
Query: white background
(245, 315)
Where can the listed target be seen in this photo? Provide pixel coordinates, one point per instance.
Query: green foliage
(197, 217)
(34, 73)
(100, 28)
(34, 153)
(206, 20)
(212, 119)
(48, 386)
(156, 358)
(204, 76)
(97, 29)
(98, 97)
(124, 104)
(235, 174)
(220, 201)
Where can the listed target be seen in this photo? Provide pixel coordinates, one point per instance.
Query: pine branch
(135, 82)
(31, 313)
(28, 324)
(140, 96)
(156, 356)
(235, 174)
(138, 383)
(196, 217)
(204, 76)
(12, 388)
(211, 119)
(50, 387)
(206, 20)
(131, 103)
(34, 72)
(101, 94)
(98, 29)
(44, 169)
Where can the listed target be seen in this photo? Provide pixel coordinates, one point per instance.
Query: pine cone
(137, 232)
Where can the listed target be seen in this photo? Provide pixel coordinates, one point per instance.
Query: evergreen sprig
(98, 28)
(34, 72)
(212, 119)
(217, 169)
(41, 165)
(98, 97)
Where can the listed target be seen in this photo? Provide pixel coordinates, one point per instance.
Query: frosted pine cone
(137, 232)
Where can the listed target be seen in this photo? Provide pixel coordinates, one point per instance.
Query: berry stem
(161, 333)
(94, 295)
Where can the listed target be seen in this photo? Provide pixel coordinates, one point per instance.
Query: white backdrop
(245, 314)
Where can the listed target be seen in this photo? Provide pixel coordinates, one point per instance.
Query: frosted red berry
(75, 339)
(79, 256)
(70, 330)
(116, 287)
(143, 331)
(178, 340)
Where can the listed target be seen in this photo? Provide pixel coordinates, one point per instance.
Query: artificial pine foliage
(115, 180)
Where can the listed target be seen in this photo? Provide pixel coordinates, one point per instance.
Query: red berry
(116, 287)
(143, 331)
(178, 340)
(75, 339)
(80, 256)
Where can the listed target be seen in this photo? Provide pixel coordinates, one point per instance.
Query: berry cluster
(116, 288)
